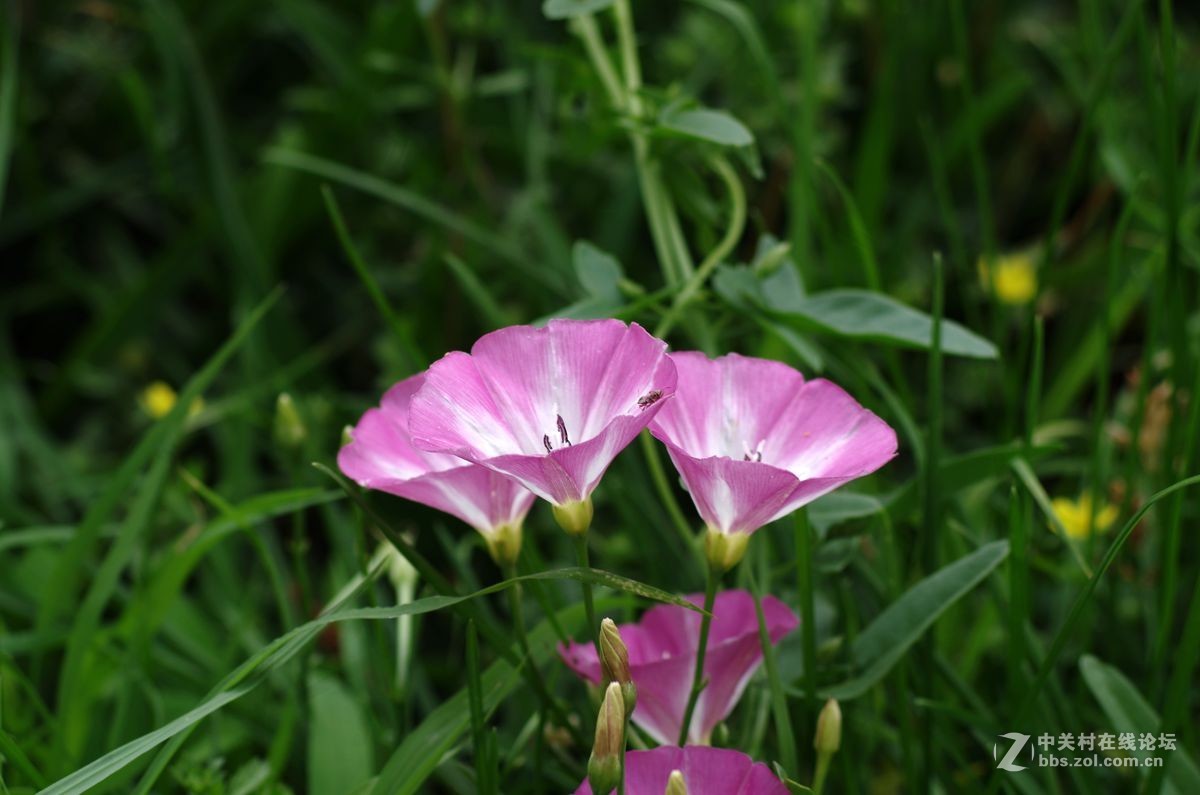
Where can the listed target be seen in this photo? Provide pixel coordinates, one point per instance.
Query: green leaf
(861, 314)
(713, 126)
(841, 506)
(881, 645)
(1128, 711)
(598, 271)
(565, 9)
(339, 741)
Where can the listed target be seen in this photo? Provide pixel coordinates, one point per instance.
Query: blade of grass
(779, 705)
(419, 206)
(478, 293)
(417, 359)
(484, 772)
(161, 442)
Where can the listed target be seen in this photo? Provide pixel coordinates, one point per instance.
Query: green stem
(733, 233)
(624, 743)
(536, 680)
(822, 771)
(667, 497)
(589, 605)
(586, 29)
(779, 706)
(710, 595)
(665, 230)
(807, 588)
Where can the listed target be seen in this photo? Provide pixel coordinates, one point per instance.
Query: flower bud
(604, 766)
(724, 550)
(614, 659)
(574, 517)
(399, 570)
(829, 728)
(289, 427)
(504, 544)
(676, 784)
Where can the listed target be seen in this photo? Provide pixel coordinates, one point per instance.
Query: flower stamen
(562, 432)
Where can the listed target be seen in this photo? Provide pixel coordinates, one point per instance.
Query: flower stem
(539, 685)
(624, 744)
(821, 773)
(589, 606)
(698, 683)
(806, 583)
(733, 233)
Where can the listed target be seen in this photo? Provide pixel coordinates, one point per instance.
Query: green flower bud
(574, 517)
(614, 659)
(676, 784)
(289, 427)
(604, 766)
(829, 728)
(724, 550)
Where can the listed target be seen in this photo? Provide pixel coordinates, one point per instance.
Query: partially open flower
(381, 456)
(695, 770)
(662, 650)
(550, 406)
(753, 441)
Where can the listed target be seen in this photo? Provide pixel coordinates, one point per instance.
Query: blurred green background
(415, 174)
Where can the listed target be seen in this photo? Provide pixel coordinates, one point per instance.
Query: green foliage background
(415, 174)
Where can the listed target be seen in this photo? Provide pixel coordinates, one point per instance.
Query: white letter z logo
(1007, 763)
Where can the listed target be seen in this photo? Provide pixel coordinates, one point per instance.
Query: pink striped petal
(662, 658)
(753, 441)
(381, 456)
(706, 771)
(500, 405)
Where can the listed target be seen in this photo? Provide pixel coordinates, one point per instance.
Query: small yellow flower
(1011, 277)
(159, 398)
(1076, 516)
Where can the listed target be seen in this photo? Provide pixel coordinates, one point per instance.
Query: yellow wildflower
(1012, 278)
(159, 398)
(1076, 516)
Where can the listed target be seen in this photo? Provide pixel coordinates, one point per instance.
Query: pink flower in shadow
(706, 771)
(662, 658)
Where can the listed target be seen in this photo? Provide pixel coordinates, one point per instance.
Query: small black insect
(649, 399)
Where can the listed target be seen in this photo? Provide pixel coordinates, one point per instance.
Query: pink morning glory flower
(705, 771)
(381, 456)
(753, 441)
(550, 407)
(662, 658)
